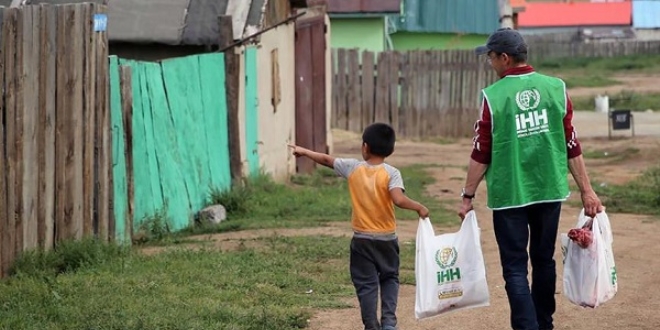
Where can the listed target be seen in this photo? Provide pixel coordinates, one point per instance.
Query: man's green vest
(529, 161)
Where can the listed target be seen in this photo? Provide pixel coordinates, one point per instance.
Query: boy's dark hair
(380, 138)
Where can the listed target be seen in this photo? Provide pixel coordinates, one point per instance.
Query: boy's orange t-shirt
(369, 186)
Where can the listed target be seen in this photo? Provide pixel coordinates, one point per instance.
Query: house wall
(365, 33)
(248, 111)
(277, 124)
(417, 40)
(648, 34)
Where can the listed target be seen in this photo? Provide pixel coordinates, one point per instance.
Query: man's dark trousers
(536, 224)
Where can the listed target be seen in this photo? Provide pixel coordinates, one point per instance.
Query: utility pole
(506, 14)
(17, 3)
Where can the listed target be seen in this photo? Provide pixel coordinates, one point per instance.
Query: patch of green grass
(589, 81)
(623, 100)
(274, 286)
(641, 196)
(600, 65)
(68, 256)
(310, 200)
(261, 203)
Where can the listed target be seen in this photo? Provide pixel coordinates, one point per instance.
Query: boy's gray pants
(375, 263)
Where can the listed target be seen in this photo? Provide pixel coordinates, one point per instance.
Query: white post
(506, 14)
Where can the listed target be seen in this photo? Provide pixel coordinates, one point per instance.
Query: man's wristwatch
(465, 195)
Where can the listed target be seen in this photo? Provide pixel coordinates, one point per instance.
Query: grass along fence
(55, 177)
(421, 93)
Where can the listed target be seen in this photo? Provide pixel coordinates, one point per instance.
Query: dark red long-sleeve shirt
(482, 141)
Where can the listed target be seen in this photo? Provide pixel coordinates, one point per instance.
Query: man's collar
(518, 71)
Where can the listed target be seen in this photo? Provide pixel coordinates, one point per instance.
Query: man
(524, 145)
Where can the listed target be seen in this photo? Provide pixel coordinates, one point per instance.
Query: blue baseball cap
(504, 40)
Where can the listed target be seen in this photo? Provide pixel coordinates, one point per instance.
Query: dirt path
(634, 307)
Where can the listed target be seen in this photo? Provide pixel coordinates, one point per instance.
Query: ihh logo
(531, 119)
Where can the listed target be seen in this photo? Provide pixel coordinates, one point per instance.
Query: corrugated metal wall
(646, 14)
(450, 16)
(174, 169)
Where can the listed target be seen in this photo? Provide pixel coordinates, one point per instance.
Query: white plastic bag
(449, 269)
(590, 273)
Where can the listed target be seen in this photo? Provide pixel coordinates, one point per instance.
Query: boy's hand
(317, 157)
(297, 151)
(423, 212)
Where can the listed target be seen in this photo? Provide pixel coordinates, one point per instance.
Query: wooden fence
(55, 162)
(421, 93)
(541, 51)
(435, 93)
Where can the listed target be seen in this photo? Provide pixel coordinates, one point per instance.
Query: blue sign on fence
(100, 22)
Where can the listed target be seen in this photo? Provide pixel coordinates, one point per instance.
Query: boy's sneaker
(388, 327)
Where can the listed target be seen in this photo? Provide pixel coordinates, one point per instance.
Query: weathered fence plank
(342, 101)
(8, 248)
(105, 219)
(63, 144)
(367, 89)
(127, 116)
(88, 121)
(393, 88)
(19, 130)
(30, 121)
(46, 131)
(4, 230)
(382, 81)
(354, 91)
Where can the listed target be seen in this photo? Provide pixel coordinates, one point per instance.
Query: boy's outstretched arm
(404, 202)
(319, 158)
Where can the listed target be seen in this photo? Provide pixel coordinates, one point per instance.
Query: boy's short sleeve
(396, 180)
(345, 166)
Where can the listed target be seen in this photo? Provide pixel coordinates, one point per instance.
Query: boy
(375, 188)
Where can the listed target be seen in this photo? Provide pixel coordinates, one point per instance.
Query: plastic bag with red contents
(589, 270)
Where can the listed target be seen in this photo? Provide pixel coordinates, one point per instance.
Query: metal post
(632, 123)
(609, 124)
